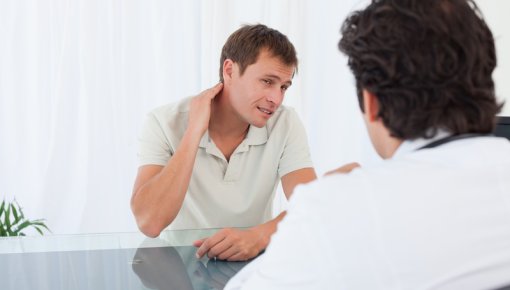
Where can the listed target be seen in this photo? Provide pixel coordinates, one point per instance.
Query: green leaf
(38, 222)
(39, 230)
(14, 212)
(44, 226)
(17, 218)
(7, 219)
(10, 233)
(13, 221)
(20, 210)
(21, 226)
(3, 233)
(2, 208)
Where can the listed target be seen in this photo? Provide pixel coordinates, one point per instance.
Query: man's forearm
(156, 203)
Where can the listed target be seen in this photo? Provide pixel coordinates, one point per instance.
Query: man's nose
(275, 96)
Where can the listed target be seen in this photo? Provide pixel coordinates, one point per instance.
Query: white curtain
(78, 76)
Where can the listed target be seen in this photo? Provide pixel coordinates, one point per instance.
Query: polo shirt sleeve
(296, 152)
(154, 148)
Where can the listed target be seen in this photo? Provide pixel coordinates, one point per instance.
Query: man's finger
(209, 243)
(219, 248)
(228, 253)
(344, 169)
(204, 248)
(198, 243)
(215, 90)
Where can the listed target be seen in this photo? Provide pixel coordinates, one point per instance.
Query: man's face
(257, 93)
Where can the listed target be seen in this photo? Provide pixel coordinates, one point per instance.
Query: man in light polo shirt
(215, 160)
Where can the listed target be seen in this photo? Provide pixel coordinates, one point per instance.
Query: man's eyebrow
(289, 83)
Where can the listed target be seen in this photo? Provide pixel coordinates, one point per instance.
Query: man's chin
(259, 124)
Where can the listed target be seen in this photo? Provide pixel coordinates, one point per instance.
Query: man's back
(427, 219)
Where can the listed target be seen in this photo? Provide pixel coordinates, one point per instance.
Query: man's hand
(232, 244)
(200, 109)
(343, 169)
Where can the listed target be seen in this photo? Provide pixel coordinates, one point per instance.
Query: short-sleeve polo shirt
(238, 193)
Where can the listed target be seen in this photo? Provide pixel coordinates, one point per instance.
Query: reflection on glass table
(111, 261)
(177, 268)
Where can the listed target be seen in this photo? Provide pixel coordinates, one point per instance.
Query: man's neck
(224, 121)
(385, 144)
(390, 147)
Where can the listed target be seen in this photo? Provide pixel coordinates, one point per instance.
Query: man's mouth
(264, 110)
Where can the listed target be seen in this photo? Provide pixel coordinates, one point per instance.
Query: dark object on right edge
(503, 127)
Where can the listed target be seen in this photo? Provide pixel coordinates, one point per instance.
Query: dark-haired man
(215, 160)
(436, 213)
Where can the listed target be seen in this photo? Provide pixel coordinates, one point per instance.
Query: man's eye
(284, 88)
(267, 82)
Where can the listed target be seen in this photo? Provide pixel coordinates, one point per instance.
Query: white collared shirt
(434, 218)
(238, 193)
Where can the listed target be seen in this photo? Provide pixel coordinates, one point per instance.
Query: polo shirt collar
(209, 146)
(205, 140)
(255, 136)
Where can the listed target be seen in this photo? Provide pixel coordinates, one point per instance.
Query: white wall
(496, 16)
(77, 77)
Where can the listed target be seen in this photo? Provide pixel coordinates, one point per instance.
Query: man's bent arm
(296, 177)
(159, 191)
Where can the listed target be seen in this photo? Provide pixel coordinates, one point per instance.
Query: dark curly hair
(428, 62)
(244, 45)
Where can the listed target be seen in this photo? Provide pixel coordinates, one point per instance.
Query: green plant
(13, 221)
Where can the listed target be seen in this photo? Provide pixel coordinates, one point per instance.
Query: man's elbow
(149, 222)
(146, 223)
(149, 229)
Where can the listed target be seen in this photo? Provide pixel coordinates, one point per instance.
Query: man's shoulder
(172, 110)
(465, 153)
(171, 119)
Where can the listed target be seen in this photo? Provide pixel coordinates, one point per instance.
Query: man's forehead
(265, 53)
(275, 68)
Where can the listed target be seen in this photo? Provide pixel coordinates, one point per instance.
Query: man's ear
(370, 105)
(228, 69)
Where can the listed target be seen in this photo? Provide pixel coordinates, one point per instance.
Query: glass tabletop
(111, 261)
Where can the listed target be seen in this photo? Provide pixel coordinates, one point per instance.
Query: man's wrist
(264, 233)
(193, 135)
